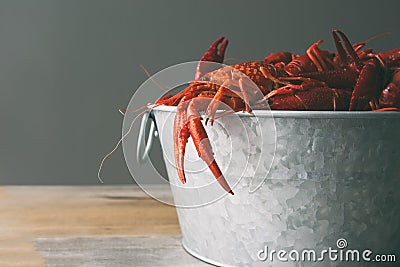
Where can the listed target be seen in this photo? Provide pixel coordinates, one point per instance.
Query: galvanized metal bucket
(323, 176)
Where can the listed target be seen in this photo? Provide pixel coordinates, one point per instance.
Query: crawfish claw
(213, 54)
(181, 136)
(203, 145)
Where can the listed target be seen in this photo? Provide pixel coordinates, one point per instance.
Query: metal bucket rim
(307, 114)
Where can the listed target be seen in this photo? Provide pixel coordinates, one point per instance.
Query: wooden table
(31, 212)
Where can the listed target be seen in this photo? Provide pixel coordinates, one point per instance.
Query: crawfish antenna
(377, 36)
(122, 111)
(151, 78)
(360, 45)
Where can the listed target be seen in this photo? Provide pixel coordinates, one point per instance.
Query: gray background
(67, 66)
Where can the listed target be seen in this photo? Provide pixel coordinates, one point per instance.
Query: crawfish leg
(278, 57)
(174, 100)
(214, 104)
(245, 94)
(203, 145)
(314, 54)
(232, 99)
(303, 82)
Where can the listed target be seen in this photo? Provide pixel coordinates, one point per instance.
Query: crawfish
(226, 85)
(362, 72)
(351, 79)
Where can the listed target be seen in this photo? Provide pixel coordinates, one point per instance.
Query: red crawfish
(350, 79)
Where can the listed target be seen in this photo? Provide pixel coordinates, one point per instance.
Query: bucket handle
(143, 148)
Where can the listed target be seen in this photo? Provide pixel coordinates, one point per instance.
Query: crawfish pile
(354, 78)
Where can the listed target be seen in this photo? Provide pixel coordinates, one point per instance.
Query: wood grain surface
(31, 212)
(140, 251)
